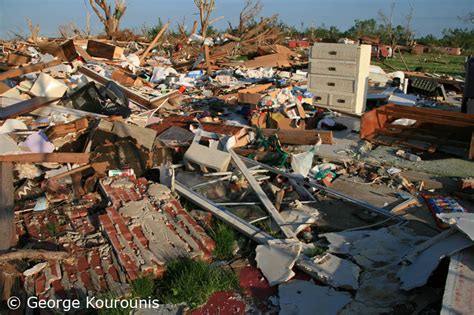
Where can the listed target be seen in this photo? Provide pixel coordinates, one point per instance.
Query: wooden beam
(77, 158)
(13, 73)
(285, 228)
(132, 95)
(25, 107)
(34, 254)
(7, 228)
(300, 137)
(153, 43)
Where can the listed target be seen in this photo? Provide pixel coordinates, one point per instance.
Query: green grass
(431, 63)
(225, 238)
(143, 287)
(193, 282)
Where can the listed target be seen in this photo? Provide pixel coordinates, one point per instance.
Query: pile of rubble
(104, 147)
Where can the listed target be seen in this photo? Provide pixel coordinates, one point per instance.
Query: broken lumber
(132, 95)
(34, 254)
(153, 43)
(329, 191)
(7, 226)
(13, 73)
(262, 196)
(25, 107)
(17, 59)
(77, 158)
(303, 262)
(300, 137)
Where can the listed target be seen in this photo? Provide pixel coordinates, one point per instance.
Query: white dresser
(338, 76)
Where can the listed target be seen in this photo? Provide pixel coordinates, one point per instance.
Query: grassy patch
(143, 287)
(431, 63)
(193, 282)
(225, 238)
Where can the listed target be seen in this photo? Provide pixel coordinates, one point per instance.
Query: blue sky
(430, 16)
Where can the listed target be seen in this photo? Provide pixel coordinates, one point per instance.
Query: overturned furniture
(420, 128)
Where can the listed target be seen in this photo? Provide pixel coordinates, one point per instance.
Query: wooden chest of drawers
(338, 76)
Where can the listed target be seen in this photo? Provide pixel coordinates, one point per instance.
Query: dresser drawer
(321, 98)
(334, 51)
(329, 84)
(320, 66)
(342, 101)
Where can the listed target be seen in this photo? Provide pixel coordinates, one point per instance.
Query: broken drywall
(339, 273)
(462, 221)
(417, 273)
(372, 249)
(303, 297)
(277, 258)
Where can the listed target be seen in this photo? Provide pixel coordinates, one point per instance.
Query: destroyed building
(346, 189)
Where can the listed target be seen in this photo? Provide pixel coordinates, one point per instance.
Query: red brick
(82, 264)
(114, 273)
(86, 280)
(40, 283)
(59, 289)
(94, 260)
(115, 242)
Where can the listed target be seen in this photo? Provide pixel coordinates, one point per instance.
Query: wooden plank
(153, 43)
(77, 158)
(87, 58)
(13, 73)
(7, 229)
(285, 228)
(301, 137)
(25, 107)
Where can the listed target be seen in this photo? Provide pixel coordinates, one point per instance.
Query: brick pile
(143, 227)
(92, 268)
(147, 227)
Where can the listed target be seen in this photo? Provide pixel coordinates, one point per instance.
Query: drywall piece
(276, 259)
(38, 143)
(378, 293)
(145, 136)
(303, 297)
(339, 273)
(462, 221)
(8, 145)
(372, 249)
(11, 125)
(298, 220)
(206, 158)
(45, 85)
(417, 273)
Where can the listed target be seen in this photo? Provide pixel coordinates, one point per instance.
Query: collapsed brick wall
(143, 228)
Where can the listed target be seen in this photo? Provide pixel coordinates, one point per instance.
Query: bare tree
(409, 33)
(108, 16)
(34, 30)
(250, 11)
(387, 25)
(205, 8)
